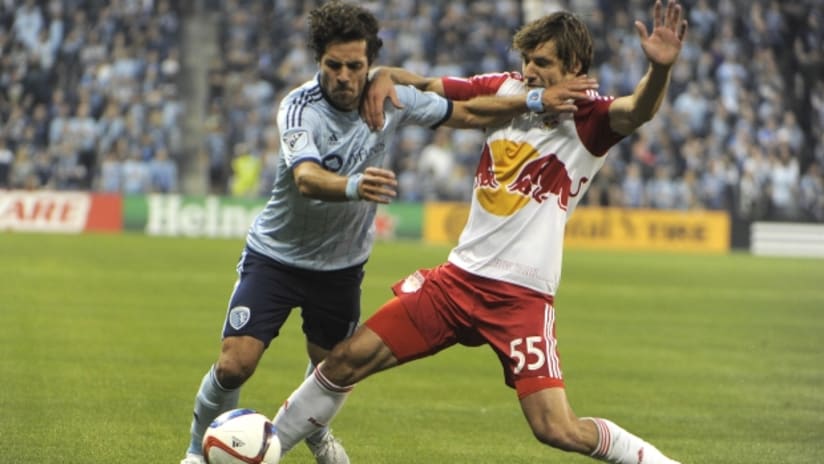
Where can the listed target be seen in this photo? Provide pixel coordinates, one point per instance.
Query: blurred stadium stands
(139, 96)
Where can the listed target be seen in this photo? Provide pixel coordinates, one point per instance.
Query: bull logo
(527, 176)
(485, 174)
(544, 176)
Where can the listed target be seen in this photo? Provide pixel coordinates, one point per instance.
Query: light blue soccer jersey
(320, 235)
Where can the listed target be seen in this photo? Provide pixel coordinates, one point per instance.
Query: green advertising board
(226, 217)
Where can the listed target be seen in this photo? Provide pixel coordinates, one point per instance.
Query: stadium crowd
(90, 97)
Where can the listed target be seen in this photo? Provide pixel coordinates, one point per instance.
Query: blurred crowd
(90, 97)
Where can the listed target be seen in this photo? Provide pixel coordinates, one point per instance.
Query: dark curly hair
(337, 22)
(573, 41)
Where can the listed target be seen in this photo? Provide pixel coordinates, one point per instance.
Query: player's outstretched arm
(374, 184)
(661, 47)
(489, 111)
(381, 87)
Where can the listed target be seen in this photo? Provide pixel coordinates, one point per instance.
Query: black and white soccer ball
(241, 436)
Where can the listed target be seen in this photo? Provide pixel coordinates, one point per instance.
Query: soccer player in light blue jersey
(308, 246)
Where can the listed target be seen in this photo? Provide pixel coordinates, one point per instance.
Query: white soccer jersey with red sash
(531, 174)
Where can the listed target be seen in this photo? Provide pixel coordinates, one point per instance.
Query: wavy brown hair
(573, 41)
(338, 22)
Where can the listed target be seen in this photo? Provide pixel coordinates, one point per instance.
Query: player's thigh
(262, 299)
(393, 326)
(520, 327)
(423, 319)
(332, 307)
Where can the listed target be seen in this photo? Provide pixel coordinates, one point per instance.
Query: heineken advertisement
(226, 217)
(177, 215)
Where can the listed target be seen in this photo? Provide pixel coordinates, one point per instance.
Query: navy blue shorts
(267, 291)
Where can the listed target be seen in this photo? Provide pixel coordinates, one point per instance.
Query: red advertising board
(60, 212)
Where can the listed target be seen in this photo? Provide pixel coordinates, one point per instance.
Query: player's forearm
(649, 93)
(401, 76)
(321, 185)
(486, 111)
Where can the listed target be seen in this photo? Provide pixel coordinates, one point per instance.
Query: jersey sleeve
(426, 109)
(465, 88)
(298, 125)
(592, 123)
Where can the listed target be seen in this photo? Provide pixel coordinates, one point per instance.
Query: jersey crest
(296, 140)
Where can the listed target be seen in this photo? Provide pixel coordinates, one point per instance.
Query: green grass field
(715, 359)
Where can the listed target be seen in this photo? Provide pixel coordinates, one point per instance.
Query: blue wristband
(534, 100)
(352, 187)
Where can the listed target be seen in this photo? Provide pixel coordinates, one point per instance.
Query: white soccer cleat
(328, 451)
(193, 459)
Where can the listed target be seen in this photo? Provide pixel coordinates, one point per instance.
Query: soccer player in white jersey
(308, 246)
(498, 284)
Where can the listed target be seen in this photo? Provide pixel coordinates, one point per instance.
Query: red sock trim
(604, 438)
(324, 383)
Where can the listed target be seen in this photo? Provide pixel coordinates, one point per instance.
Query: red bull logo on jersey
(485, 176)
(511, 174)
(544, 176)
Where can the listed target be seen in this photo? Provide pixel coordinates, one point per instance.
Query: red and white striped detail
(552, 361)
(604, 438)
(324, 383)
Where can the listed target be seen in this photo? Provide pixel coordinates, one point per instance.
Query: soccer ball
(241, 436)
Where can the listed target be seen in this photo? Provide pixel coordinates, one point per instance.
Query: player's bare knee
(232, 374)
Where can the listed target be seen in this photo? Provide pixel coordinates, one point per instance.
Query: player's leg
(388, 338)
(317, 401)
(523, 335)
(257, 310)
(238, 358)
(326, 448)
(330, 314)
(553, 423)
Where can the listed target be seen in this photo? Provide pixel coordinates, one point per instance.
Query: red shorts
(435, 309)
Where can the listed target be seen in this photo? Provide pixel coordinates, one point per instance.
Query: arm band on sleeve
(352, 186)
(534, 100)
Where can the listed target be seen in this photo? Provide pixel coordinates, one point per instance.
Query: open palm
(668, 30)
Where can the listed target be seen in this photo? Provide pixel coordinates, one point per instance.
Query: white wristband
(534, 100)
(352, 187)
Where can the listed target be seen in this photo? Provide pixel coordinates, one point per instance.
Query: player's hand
(378, 185)
(378, 90)
(561, 97)
(663, 45)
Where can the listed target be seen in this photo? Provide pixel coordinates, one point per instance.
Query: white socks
(211, 400)
(618, 446)
(310, 408)
(319, 434)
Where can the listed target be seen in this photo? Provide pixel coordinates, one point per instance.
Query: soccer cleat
(193, 459)
(328, 450)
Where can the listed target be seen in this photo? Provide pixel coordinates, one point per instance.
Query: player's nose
(344, 76)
